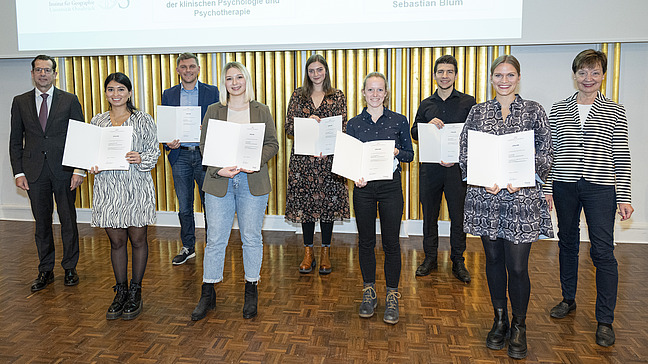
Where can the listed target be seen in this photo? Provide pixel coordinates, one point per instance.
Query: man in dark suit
(185, 158)
(39, 123)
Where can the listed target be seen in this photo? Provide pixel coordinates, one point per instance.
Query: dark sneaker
(183, 255)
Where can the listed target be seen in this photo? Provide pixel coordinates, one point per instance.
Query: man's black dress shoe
(562, 309)
(426, 267)
(71, 277)
(44, 278)
(459, 270)
(604, 335)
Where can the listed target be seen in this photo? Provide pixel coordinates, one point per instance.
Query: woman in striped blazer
(591, 173)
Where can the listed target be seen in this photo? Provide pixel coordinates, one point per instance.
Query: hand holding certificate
(88, 145)
(178, 122)
(439, 145)
(232, 144)
(316, 138)
(355, 160)
(501, 159)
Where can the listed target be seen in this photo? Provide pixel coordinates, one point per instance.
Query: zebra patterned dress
(523, 216)
(127, 198)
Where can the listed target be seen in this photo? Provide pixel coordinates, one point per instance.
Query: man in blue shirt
(185, 158)
(446, 105)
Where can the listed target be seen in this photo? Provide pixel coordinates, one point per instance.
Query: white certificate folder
(313, 138)
(88, 145)
(178, 122)
(233, 145)
(501, 159)
(355, 160)
(439, 145)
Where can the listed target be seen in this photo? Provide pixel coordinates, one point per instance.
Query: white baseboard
(624, 232)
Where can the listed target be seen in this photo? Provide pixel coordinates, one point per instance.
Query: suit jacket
(29, 146)
(207, 95)
(259, 181)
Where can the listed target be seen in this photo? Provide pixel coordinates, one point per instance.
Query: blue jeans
(187, 169)
(250, 211)
(599, 204)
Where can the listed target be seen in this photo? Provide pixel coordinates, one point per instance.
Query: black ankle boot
(207, 302)
(517, 343)
(133, 306)
(251, 299)
(497, 335)
(117, 307)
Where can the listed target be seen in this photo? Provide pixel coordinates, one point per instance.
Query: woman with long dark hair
(313, 192)
(123, 202)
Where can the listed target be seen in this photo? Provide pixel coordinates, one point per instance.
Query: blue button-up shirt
(189, 98)
(390, 126)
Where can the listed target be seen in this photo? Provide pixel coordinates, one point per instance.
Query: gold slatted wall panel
(275, 75)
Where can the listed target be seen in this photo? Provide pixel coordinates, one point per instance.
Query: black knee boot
(251, 299)
(133, 307)
(497, 335)
(207, 302)
(117, 307)
(517, 343)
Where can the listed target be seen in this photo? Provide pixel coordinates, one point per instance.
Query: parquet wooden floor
(302, 318)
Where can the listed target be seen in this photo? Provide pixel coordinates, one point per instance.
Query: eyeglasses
(40, 70)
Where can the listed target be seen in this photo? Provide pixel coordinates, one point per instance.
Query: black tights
(503, 256)
(119, 252)
(309, 232)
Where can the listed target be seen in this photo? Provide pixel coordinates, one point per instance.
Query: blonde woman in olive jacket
(233, 190)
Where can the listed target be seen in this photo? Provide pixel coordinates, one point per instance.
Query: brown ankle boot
(325, 262)
(308, 263)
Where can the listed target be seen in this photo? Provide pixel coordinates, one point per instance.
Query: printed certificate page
(355, 160)
(233, 145)
(439, 145)
(178, 122)
(88, 145)
(313, 138)
(501, 159)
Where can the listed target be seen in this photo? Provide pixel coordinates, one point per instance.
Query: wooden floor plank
(302, 318)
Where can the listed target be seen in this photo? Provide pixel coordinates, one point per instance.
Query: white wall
(546, 78)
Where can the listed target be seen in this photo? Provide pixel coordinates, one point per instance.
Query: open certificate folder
(501, 159)
(178, 122)
(439, 145)
(355, 160)
(88, 145)
(233, 145)
(313, 138)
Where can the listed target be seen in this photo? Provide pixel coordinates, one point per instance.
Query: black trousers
(386, 197)
(42, 204)
(434, 181)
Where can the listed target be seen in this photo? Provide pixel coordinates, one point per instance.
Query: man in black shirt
(446, 105)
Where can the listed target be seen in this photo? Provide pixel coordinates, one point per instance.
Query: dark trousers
(42, 204)
(434, 181)
(599, 204)
(187, 169)
(507, 264)
(386, 197)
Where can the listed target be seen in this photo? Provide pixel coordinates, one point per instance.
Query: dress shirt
(454, 109)
(189, 98)
(390, 126)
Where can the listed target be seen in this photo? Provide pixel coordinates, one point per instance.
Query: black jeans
(386, 197)
(434, 181)
(599, 204)
(502, 257)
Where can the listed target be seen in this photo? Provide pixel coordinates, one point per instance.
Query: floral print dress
(313, 192)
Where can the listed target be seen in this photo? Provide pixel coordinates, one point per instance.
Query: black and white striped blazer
(598, 152)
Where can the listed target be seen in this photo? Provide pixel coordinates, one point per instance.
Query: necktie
(42, 115)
